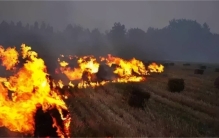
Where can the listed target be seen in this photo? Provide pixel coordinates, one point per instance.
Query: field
(193, 112)
(104, 111)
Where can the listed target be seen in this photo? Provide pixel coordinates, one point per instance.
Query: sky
(103, 14)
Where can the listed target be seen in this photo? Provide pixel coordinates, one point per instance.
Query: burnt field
(105, 111)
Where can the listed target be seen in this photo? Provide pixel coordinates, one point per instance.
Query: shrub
(198, 71)
(216, 82)
(137, 97)
(176, 85)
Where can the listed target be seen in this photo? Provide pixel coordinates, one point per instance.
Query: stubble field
(104, 111)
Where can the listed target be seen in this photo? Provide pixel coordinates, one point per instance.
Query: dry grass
(194, 112)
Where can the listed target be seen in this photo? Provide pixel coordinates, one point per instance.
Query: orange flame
(30, 87)
(132, 70)
(128, 71)
(9, 57)
(153, 67)
(85, 63)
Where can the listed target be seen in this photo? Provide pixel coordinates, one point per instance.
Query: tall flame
(28, 87)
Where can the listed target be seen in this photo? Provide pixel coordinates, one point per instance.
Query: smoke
(182, 39)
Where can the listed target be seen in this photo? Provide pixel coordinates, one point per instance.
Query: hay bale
(86, 77)
(114, 66)
(186, 64)
(137, 97)
(67, 90)
(5, 132)
(202, 67)
(51, 80)
(198, 71)
(217, 70)
(44, 122)
(171, 64)
(216, 82)
(145, 63)
(176, 85)
(102, 73)
(63, 89)
(166, 64)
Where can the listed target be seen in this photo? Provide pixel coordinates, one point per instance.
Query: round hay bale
(186, 64)
(44, 122)
(216, 82)
(137, 97)
(102, 73)
(202, 67)
(217, 70)
(171, 64)
(199, 71)
(176, 85)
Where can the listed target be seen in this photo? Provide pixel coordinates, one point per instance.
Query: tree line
(182, 39)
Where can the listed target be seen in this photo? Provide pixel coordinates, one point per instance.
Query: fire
(29, 87)
(30, 90)
(9, 57)
(85, 63)
(127, 70)
(133, 70)
(156, 68)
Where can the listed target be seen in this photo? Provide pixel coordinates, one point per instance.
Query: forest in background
(182, 39)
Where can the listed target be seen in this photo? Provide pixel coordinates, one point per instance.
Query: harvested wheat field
(104, 111)
(166, 101)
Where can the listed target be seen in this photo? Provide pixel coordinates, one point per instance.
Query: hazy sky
(142, 14)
